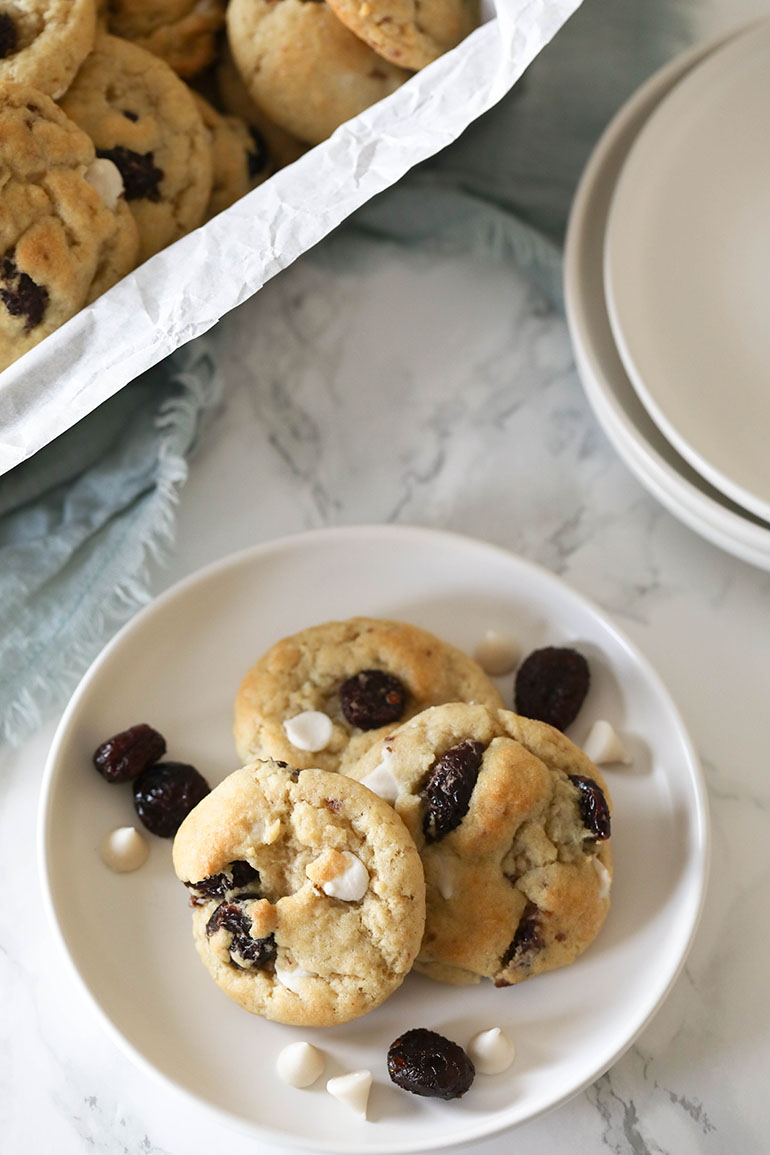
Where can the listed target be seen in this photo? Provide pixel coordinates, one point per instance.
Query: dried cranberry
(237, 875)
(164, 794)
(252, 953)
(594, 811)
(447, 792)
(9, 35)
(141, 176)
(128, 753)
(527, 941)
(21, 296)
(551, 685)
(372, 698)
(426, 1063)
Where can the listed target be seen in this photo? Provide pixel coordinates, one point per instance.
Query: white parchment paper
(184, 290)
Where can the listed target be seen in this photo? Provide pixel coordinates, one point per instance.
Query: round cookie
(410, 33)
(240, 156)
(181, 32)
(314, 669)
(234, 98)
(512, 822)
(307, 892)
(66, 233)
(44, 42)
(140, 115)
(304, 67)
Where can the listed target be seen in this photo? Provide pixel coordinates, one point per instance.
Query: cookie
(303, 67)
(234, 98)
(410, 33)
(240, 157)
(352, 681)
(181, 32)
(44, 42)
(512, 822)
(66, 234)
(307, 892)
(141, 116)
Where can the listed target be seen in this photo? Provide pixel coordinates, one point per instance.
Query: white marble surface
(371, 384)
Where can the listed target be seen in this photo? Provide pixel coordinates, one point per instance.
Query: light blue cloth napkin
(80, 521)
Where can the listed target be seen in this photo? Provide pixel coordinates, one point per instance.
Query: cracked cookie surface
(318, 669)
(181, 32)
(44, 42)
(66, 234)
(143, 117)
(410, 33)
(512, 822)
(307, 893)
(303, 67)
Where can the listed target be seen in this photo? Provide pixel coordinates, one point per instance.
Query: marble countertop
(370, 383)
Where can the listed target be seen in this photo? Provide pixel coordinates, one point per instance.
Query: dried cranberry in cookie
(62, 240)
(366, 675)
(332, 908)
(512, 822)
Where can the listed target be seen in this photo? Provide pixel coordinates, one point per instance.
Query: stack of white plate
(667, 284)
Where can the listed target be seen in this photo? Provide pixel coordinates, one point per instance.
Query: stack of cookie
(128, 123)
(391, 814)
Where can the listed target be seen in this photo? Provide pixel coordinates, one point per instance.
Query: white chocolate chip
(104, 176)
(603, 744)
(291, 977)
(444, 870)
(352, 884)
(300, 1064)
(491, 1051)
(311, 730)
(605, 878)
(352, 1090)
(124, 849)
(265, 832)
(381, 780)
(497, 653)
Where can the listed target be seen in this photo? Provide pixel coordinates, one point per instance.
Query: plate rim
(732, 530)
(700, 826)
(751, 500)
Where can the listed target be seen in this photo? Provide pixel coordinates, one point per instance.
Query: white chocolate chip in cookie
(104, 176)
(491, 1051)
(291, 977)
(604, 744)
(311, 730)
(381, 780)
(340, 874)
(352, 1090)
(300, 1064)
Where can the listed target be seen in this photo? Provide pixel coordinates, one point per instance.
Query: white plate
(687, 253)
(618, 409)
(178, 664)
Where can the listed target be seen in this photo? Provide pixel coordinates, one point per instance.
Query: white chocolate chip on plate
(352, 1090)
(124, 849)
(491, 1051)
(300, 1064)
(497, 653)
(604, 744)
